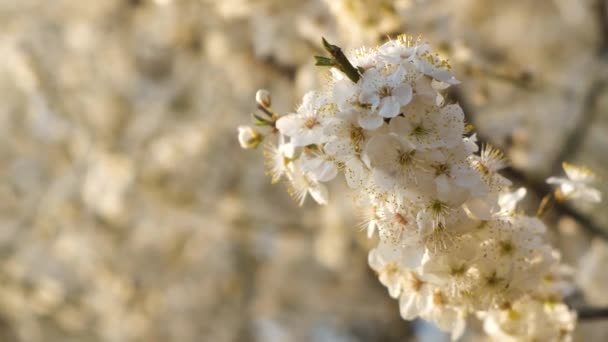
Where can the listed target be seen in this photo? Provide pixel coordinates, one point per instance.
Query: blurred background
(128, 212)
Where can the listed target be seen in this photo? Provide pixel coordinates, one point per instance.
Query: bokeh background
(128, 212)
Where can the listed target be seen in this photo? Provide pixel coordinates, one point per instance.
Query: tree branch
(575, 138)
(539, 187)
(602, 19)
(586, 314)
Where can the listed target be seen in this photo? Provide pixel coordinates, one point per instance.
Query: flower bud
(262, 97)
(249, 137)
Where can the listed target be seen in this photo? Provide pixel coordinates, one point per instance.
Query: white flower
(441, 216)
(448, 317)
(576, 186)
(394, 162)
(249, 137)
(432, 65)
(429, 126)
(346, 95)
(396, 51)
(365, 58)
(262, 97)
(416, 296)
(397, 225)
(278, 158)
(453, 269)
(386, 262)
(302, 183)
(387, 93)
(530, 320)
(514, 258)
(508, 201)
(306, 126)
(488, 163)
(454, 177)
(319, 166)
(559, 281)
(347, 141)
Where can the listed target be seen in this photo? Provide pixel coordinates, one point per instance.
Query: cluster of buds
(451, 241)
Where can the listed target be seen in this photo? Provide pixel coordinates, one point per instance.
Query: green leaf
(260, 121)
(324, 61)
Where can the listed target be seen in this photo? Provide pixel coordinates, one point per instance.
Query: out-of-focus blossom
(577, 185)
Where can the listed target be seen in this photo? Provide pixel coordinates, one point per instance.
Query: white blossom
(303, 183)
(530, 320)
(346, 144)
(393, 161)
(278, 159)
(387, 93)
(431, 65)
(320, 167)
(305, 127)
(395, 52)
(249, 137)
(416, 296)
(262, 97)
(576, 186)
(429, 126)
(508, 201)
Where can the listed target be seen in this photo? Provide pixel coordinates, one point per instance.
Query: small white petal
(289, 124)
(355, 173)
(389, 107)
(409, 306)
(479, 209)
(557, 180)
(338, 148)
(403, 94)
(370, 121)
(591, 195)
(319, 194)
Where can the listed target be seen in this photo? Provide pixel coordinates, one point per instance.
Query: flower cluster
(451, 240)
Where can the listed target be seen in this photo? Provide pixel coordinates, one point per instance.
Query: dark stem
(585, 314)
(576, 136)
(602, 19)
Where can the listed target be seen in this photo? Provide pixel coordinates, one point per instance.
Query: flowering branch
(452, 243)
